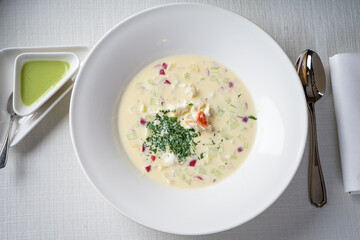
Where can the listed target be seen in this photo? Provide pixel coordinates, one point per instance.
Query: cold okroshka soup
(187, 121)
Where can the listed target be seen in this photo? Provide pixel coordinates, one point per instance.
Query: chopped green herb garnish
(190, 104)
(168, 135)
(239, 95)
(252, 117)
(201, 155)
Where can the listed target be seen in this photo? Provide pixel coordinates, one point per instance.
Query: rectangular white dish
(23, 125)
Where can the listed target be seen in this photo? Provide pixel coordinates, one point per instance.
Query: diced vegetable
(162, 72)
(148, 168)
(153, 157)
(198, 177)
(202, 170)
(217, 173)
(143, 148)
(219, 111)
(192, 163)
(142, 121)
(131, 135)
(194, 68)
(233, 123)
(213, 152)
(214, 70)
(227, 100)
(151, 82)
(153, 101)
(224, 133)
(187, 76)
(188, 181)
(242, 138)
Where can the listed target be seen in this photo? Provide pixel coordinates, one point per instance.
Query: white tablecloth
(45, 195)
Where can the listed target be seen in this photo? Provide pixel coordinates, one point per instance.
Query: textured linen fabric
(345, 75)
(45, 195)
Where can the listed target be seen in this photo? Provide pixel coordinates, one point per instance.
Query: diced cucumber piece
(224, 133)
(242, 138)
(227, 100)
(187, 76)
(151, 81)
(233, 123)
(213, 152)
(153, 101)
(216, 172)
(131, 135)
(219, 111)
(202, 170)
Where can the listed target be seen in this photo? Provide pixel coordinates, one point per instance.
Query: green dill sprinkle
(252, 117)
(239, 95)
(190, 104)
(166, 134)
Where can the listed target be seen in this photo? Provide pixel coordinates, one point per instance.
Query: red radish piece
(167, 81)
(148, 168)
(142, 121)
(164, 65)
(192, 163)
(153, 157)
(198, 177)
(143, 148)
(231, 84)
(240, 149)
(162, 72)
(245, 119)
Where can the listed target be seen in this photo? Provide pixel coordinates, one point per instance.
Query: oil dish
(38, 76)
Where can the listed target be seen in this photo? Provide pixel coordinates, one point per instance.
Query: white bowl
(19, 107)
(229, 39)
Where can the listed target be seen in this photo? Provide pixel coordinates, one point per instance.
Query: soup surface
(39, 77)
(187, 121)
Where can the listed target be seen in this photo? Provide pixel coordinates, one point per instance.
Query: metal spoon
(6, 144)
(312, 75)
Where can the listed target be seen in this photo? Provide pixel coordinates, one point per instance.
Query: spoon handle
(317, 191)
(5, 147)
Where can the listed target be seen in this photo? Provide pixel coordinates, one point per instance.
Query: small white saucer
(23, 125)
(19, 107)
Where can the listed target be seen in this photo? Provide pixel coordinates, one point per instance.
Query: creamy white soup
(187, 121)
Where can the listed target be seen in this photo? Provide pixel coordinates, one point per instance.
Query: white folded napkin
(345, 78)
